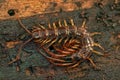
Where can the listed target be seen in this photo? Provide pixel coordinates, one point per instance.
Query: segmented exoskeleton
(71, 44)
(73, 48)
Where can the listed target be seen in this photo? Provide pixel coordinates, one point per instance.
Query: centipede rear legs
(21, 46)
(56, 59)
(19, 51)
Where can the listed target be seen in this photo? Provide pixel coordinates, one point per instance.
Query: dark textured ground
(109, 66)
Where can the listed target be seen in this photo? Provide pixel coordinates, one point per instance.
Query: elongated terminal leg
(65, 23)
(19, 51)
(22, 23)
(41, 26)
(57, 62)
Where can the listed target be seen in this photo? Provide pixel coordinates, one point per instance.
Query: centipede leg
(98, 45)
(53, 41)
(91, 61)
(70, 49)
(19, 52)
(49, 58)
(69, 65)
(70, 46)
(97, 52)
(66, 45)
(83, 24)
(61, 51)
(94, 33)
(45, 41)
(52, 54)
(63, 64)
(75, 65)
(66, 51)
(57, 59)
(20, 22)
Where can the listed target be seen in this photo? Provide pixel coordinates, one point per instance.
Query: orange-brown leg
(64, 49)
(22, 24)
(53, 54)
(98, 53)
(19, 52)
(75, 65)
(50, 58)
(18, 55)
(61, 51)
(65, 64)
(69, 46)
(91, 61)
(94, 33)
(57, 62)
(98, 45)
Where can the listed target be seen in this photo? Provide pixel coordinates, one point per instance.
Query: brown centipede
(71, 44)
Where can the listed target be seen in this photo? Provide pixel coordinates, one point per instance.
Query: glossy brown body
(54, 32)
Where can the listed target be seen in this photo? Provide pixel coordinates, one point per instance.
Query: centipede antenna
(65, 23)
(20, 22)
(41, 26)
(59, 23)
(72, 22)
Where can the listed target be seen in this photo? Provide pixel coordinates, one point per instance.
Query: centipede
(71, 45)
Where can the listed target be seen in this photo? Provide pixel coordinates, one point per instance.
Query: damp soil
(33, 66)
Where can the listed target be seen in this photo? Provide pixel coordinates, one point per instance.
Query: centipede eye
(11, 12)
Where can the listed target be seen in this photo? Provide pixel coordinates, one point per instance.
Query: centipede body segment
(71, 45)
